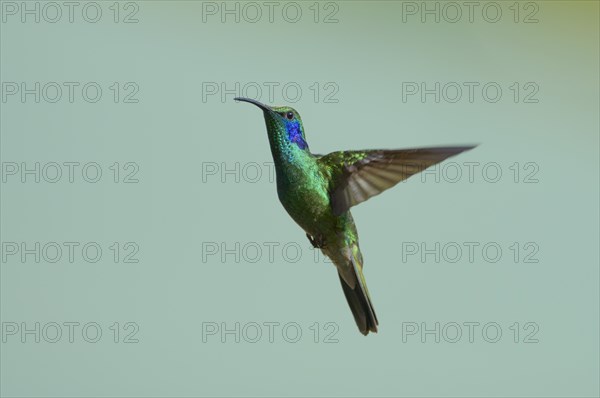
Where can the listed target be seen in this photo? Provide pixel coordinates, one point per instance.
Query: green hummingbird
(317, 192)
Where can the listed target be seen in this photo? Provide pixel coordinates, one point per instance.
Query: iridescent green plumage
(318, 191)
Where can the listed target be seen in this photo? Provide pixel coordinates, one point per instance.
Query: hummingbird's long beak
(255, 102)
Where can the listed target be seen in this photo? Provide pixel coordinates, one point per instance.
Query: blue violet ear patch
(295, 134)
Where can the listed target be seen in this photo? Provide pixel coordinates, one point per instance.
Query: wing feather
(356, 176)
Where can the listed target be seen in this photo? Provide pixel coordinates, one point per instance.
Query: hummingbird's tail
(358, 297)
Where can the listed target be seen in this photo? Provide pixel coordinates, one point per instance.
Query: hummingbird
(317, 191)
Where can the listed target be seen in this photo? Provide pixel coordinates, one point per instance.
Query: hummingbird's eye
(290, 115)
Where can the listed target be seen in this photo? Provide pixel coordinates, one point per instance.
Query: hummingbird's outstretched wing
(355, 176)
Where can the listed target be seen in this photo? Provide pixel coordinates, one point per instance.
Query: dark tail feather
(360, 304)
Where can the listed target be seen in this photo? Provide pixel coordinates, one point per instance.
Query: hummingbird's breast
(303, 192)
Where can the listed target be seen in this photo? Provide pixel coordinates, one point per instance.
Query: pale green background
(170, 132)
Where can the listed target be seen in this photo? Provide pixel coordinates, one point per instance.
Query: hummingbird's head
(284, 125)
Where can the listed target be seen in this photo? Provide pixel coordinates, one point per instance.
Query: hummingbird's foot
(317, 242)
